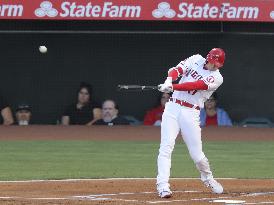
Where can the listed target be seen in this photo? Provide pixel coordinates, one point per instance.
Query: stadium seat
(256, 122)
(132, 120)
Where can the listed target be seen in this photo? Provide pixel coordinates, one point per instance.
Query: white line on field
(99, 197)
(9, 197)
(260, 193)
(218, 198)
(132, 193)
(188, 200)
(36, 198)
(263, 202)
(50, 198)
(127, 200)
(102, 179)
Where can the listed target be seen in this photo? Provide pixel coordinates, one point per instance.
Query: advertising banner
(155, 10)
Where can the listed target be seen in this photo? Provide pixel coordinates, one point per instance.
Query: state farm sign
(11, 10)
(210, 11)
(108, 9)
(89, 10)
(171, 10)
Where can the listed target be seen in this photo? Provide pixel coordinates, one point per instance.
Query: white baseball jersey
(193, 70)
(178, 118)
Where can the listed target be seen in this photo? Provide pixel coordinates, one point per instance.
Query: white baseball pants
(187, 120)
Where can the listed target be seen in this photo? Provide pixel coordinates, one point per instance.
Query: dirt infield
(125, 133)
(133, 191)
(130, 191)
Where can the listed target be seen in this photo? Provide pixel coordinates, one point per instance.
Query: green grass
(20, 160)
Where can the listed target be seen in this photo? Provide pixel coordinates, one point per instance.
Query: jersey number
(192, 92)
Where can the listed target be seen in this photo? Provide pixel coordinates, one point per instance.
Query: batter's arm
(175, 73)
(178, 71)
(188, 86)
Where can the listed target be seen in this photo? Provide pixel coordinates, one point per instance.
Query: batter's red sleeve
(175, 73)
(197, 85)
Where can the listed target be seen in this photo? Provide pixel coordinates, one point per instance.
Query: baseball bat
(136, 87)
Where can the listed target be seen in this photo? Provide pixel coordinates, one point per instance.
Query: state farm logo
(198, 10)
(80, 9)
(46, 9)
(272, 14)
(11, 10)
(163, 10)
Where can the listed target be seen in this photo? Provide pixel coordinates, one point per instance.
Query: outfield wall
(127, 133)
(109, 53)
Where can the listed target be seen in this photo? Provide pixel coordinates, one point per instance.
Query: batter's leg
(207, 177)
(191, 132)
(169, 131)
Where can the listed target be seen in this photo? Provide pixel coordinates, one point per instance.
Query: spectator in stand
(84, 111)
(110, 115)
(23, 114)
(154, 116)
(213, 115)
(6, 114)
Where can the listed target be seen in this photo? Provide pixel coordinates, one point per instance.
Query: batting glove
(168, 80)
(165, 88)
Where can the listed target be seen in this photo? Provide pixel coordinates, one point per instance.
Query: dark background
(131, 53)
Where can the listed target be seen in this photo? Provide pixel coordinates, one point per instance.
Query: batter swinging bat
(136, 87)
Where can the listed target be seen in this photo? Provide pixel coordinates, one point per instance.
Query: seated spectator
(84, 111)
(23, 114)
(154, 116)
(213, 115)
(6, 114)
(110, 115)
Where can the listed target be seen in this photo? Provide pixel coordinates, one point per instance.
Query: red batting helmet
(216, 56)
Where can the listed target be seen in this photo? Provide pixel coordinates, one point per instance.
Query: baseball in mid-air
(43, 49)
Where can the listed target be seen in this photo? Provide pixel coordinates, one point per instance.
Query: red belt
(184, 103)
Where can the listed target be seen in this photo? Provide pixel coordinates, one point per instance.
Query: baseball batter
(200, 78)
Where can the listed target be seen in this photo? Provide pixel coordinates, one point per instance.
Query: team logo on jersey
(210, 79)
(46, 9)
(163, 10)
